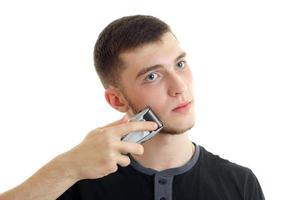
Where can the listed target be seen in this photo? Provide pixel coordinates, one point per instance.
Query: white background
(245, 56)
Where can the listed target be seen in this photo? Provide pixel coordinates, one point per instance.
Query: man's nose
(177, 84)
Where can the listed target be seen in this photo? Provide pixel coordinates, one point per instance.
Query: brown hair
(121, 35)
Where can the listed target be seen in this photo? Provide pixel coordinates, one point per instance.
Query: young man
(140, 64)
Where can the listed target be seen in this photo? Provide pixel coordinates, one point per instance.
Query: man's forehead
(154, 53)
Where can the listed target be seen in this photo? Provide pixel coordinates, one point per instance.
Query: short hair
(123, 34)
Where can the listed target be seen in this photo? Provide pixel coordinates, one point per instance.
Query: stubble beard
(167, 129)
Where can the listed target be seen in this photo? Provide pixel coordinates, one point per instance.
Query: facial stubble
(167, 128)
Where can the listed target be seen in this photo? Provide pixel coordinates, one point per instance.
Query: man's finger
(123, 160)
(125, 128)
(124, 119)
(132, 148)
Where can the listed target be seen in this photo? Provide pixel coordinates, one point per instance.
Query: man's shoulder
(219, 165)
(225, 176)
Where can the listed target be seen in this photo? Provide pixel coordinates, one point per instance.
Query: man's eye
(181, 64)
(151, 77)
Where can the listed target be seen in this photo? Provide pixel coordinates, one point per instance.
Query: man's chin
(175, 131)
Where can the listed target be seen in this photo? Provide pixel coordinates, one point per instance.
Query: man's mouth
(184, 106)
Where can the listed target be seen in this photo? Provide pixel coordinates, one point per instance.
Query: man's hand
(96, 156)
(102, 150)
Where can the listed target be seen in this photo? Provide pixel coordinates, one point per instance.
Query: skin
(101, 151)
(162, 89)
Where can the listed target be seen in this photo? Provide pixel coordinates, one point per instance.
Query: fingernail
(155, 125)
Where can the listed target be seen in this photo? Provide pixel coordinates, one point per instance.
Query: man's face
(158, 76)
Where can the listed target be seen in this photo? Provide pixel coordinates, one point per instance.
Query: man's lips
(182, 105)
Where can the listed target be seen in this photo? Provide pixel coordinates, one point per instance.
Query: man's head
(122, 35)
(141, 63)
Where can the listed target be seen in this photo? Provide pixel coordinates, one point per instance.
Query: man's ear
(116, 100)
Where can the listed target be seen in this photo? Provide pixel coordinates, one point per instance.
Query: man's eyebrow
(182, 55)
(154, 67)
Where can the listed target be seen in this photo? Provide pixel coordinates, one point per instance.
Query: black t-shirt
(206, 176)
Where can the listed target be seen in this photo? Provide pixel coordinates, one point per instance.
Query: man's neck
(166, 151)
